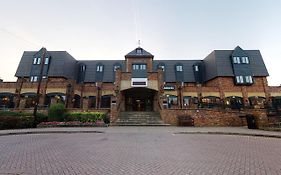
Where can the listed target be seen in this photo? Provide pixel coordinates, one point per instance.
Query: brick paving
(138, 150)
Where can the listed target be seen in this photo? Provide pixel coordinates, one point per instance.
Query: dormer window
(83, 68)
(99, 68)
(196, 68)
(249, 79)
(33, 78)
(46, 61)
(37, 60)
(162, 67)
(239, 79)
(236, 60)
(116, 67)
(179, 68)
(139, 51)
(245, 60)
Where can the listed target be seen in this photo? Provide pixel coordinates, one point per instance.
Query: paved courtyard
(138, 150)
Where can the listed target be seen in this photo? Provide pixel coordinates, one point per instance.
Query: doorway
(139, 99)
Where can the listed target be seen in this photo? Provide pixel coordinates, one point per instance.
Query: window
(245, 60)
(33, 78)
(196, 68)
(142, 67)
(34, 60)
(138, 51)
(239, 79)
(236, 60)
(38, 60)
(179, 68)
(249, 79)
(116, 67)
(46, 60)
(99, 68)
(83, 68)
(162, 67)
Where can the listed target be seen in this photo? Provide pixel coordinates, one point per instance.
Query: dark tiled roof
(139, 52)
(170, 74)
(62, 64)
(108, 75)
(218, 63)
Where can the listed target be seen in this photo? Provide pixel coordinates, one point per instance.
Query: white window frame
(162, 67)
(46, 61)
(179, 68)
(196, 68)
(35, 60)
(241, 79)
(116, 67)
(139, 51)
(38, 60)
(142, 66)
(249, 79)
(136, 66)
(100, 68)
(34, 78)
(236, 60)
(245, 60)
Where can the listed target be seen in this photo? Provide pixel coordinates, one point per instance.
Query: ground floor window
(30, 101)
(92, 102)
(172, 100)
(54, 98)
(257, 102)
(7, 101)
(189, 101)
(211, 101)
(76, 101)
(234, 102)
(105, 101)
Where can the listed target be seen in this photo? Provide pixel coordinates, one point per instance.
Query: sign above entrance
(169, 87)
(139, 82)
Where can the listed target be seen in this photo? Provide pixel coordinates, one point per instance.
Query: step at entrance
(139, 119)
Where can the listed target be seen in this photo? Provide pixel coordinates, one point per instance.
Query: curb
(48, 132)
(232, 133)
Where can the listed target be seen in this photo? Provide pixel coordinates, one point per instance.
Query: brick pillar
(22, 103)
(85, 102)
(43, 89)
(245, 95)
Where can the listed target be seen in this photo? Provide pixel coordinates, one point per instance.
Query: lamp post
(38, 87)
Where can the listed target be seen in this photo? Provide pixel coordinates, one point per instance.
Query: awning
(28, 94)
(52, 94)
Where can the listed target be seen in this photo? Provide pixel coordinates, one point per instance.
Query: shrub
(57, 112)
(85, 116)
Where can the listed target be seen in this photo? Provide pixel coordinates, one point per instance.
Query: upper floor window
(179, 68)
(138, 51)
(249, 79)
(99, 68)
(162, 67)
(245, 60)
(239, 79)
(37, 60)
(83, 68)
(196, 68)
(135, 67)
(46, 60)
(236, 60)
(33, 78)
(142, 67)
(116, 67)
